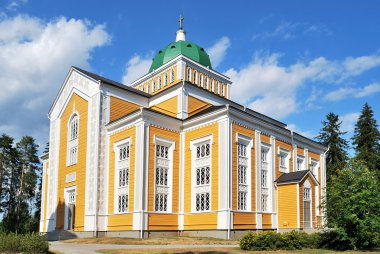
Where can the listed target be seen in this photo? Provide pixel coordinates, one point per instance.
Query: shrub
(28, 243)
(263, 241)
(292, 240)
(336, 239)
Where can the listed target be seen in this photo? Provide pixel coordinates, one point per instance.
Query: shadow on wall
(57, 231)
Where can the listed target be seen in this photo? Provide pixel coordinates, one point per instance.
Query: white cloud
(349, 92)
(35, 57)
(13, 5)
(218, 51)
(293, 127)
(271, 88)
(348, 121)
(136, 67)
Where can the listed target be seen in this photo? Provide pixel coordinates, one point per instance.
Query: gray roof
(292, 177)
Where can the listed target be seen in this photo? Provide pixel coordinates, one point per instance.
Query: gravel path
(78, 248)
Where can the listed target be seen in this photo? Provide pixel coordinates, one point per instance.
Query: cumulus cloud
(355, 92)
(348, 121)
(218, 51)
(136, 67)
(271, 88)
(36, 55)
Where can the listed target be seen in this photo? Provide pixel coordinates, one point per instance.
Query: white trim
(298, 206)
(66, 191)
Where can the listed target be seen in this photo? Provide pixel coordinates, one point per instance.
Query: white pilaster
(294, 158)
(259, 223)
(181, 219)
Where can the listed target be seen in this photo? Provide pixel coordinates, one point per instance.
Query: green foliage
(271, 240)
(336, 239)
(332, 137)
(366, 139)
(354, 206)
(28, 243)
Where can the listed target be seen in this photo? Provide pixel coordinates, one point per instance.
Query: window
(195, 77)
(202, 181)
(300, 163)
(166, 79)
(189, 74)
(243, 175)
(153, 86)
(71, 196)
(201, 80)
(307, 207)
(212, 85)
(122, 176)
(163, 177)
(148, 88)
(72, 142)
(283, 158)
(143, 88)
(264, 178)
(159, 83)
(172, 76)
(206, 81)
(217, 87)
(223, 90)
(314, 168)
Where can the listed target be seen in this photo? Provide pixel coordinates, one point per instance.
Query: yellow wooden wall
(195, 105)
(161, 221)
(168, 107)
(287, 206)
(81, 106)
(120, 108)
(267, 220)
(207, 220)
(121, 221)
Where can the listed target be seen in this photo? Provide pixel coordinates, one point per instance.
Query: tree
(331, 136)
(353, 205)
(366, 139)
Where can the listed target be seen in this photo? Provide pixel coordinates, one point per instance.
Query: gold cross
(180, 22)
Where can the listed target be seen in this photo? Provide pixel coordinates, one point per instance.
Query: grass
(222, 250)
(153, 241)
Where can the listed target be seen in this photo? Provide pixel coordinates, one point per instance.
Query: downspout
(324, 181)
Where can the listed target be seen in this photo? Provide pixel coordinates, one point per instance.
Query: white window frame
(222, 89)
(153, 85)
(247, 162)
(217, 87)
(286, 153)
(72, 143)
(159, 83)
(157, 162)
(206, 162)
(120, 164)
(207, 82)
(189, 74)
(212, 85)
(309, 197)
(69, 190)
(172, 75)
(302, 166)
(195, 74)
(166, 79)
(265, 191)
(201, 80)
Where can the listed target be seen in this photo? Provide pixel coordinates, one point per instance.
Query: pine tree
(331, 136)
(366, 139)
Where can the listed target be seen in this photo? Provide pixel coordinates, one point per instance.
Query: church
(170, 154)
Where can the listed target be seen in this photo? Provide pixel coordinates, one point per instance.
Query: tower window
(222, 90)
(166, 79)
(201, 80)
(159, 83)
(172, 76)
(206, 82)
(195, 77)
(217, 87)
(72, 142)
(189, 74)
(153, 86)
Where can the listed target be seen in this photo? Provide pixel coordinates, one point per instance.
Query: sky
(295, 61)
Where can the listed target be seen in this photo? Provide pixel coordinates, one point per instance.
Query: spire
(180, 33)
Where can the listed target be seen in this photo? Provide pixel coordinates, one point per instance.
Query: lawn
(222, 250)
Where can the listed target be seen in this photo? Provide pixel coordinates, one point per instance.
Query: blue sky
(292, 60)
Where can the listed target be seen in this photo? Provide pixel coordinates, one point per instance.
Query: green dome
(186, 48)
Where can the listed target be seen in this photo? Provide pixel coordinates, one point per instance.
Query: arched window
(201, 80)
(217, 87)
(206, 82)
(166, 79)
(148, 88)
(159, 83)
(172, 76)
(153, 86)
(223, 90)
(188, 74)
(72, 142)
(212, 85)
(195, 77)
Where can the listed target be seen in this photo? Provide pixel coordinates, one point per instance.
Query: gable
(120, 108)
(196, 105)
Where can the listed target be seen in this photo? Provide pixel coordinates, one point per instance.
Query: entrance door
(70, 208)
(306, 208)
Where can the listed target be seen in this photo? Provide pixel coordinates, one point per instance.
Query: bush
(271, 240)
(336, 239)
(263, 241)
(28, 243)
